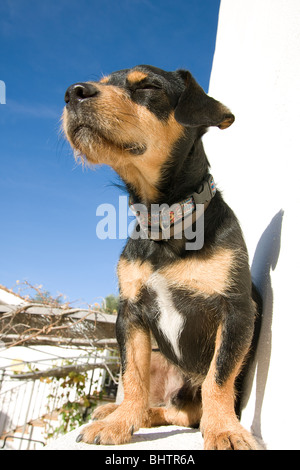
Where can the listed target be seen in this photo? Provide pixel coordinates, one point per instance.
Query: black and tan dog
(147, 124)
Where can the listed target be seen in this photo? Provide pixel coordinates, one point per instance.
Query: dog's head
(133, 119)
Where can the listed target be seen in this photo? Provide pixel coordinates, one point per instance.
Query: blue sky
(47, 202)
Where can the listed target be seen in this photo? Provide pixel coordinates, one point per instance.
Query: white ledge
(160, 438)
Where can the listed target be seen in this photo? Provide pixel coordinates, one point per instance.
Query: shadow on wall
(264, 261)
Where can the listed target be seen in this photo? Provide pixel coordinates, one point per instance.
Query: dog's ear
(195, 108)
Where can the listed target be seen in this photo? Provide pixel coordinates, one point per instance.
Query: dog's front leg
(132, 413)
(220, 426)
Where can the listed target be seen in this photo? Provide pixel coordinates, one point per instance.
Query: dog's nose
(79, 92)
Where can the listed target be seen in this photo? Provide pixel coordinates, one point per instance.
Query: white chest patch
(170, 322)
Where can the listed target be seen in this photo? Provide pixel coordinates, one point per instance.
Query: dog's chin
(92, 145)
(84, 137)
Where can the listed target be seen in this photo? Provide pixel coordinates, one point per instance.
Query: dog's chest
(168, 319)
(176, 294)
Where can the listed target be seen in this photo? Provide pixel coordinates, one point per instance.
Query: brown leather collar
(164, 222)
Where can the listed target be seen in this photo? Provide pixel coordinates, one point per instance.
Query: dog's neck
(164, 221)
(185, 182)
(181, 174)
(184, 173)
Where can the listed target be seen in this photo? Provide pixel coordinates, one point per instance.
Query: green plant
(77, 404)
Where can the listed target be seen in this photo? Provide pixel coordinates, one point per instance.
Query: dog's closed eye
(148, 86)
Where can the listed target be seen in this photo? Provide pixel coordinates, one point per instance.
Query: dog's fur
(147, 124)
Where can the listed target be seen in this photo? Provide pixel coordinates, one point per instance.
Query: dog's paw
(106, 432)
(235, 439)
(104, 410)
(116, 428)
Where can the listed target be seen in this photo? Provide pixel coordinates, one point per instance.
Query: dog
(197, 304)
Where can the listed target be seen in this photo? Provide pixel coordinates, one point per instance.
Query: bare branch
(28, 323)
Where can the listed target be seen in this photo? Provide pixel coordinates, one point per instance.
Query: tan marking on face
(121, 122)
(144, 171)
(105, 79)
(207, 276)
(136, 76)
(133, 275)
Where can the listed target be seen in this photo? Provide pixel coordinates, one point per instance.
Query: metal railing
(31, 400)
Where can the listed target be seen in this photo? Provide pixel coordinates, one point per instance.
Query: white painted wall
(8, 297)
(256, 162)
